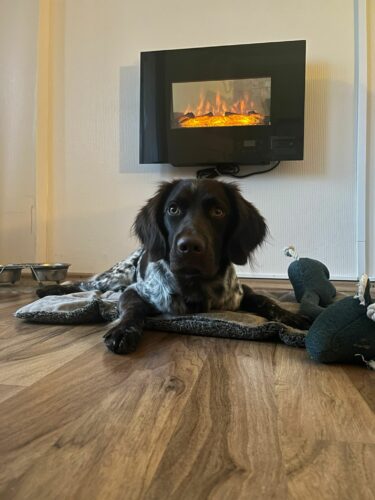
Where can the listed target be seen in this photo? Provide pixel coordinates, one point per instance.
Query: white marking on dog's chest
(162, 290)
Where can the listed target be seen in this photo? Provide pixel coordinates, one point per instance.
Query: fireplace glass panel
(221, 103)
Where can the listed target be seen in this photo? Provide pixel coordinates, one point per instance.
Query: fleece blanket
(95, 306)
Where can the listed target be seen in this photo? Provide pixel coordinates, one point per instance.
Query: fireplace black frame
(283, 139)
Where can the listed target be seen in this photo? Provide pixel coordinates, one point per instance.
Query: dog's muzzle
(191, 256)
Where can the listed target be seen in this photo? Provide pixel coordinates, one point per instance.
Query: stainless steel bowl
(10, 273)
(49, 272)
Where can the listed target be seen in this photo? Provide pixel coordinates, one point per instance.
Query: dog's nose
(190, 245)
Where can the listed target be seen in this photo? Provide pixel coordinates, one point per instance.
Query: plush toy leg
(310, 305)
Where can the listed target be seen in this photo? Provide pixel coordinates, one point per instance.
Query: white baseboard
(242, 274)
(245, 275)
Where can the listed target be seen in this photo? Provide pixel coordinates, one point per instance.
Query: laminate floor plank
(12, 296)
(98, 426)
(29, 352)
(364, 381)
(228, 432)
(183, 418)
(329, 470)
(319, 402)
(6, 391)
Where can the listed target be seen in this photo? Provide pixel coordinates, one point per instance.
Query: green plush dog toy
(311, 285)
(342, 331)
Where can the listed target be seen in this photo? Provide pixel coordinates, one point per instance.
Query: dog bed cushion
(94, 306)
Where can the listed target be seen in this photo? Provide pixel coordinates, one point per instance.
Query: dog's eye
(173, 209)
(217, 212)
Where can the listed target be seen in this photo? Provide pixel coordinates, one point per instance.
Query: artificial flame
(220, 114)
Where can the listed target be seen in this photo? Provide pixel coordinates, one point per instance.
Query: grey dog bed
(94, 306)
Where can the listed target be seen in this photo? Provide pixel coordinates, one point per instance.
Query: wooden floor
(182, 418)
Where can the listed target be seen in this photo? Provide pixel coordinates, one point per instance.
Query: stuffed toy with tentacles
(311, 285)
(342, 331)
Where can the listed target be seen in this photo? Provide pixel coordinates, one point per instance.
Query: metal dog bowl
(48, 272)
(10, 273)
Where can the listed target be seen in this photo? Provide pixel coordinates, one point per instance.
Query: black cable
(229, 170)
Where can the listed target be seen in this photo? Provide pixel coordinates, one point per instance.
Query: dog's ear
(250, 228)
(149, 225)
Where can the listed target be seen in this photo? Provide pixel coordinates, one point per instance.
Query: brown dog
(192, 232)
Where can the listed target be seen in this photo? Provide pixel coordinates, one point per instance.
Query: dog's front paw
(123, 338)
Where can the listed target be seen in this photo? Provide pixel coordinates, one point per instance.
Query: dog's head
(199, 226)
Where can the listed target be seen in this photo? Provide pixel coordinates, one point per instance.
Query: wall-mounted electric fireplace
(239, 104)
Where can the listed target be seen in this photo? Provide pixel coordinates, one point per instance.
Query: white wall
(98, 184)
(18, 64)
(371, 139)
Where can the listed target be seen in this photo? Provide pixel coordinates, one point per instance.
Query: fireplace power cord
(230, 171)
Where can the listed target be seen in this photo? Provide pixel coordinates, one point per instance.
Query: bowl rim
(36, 265)
(48, 265)
(11, 267)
